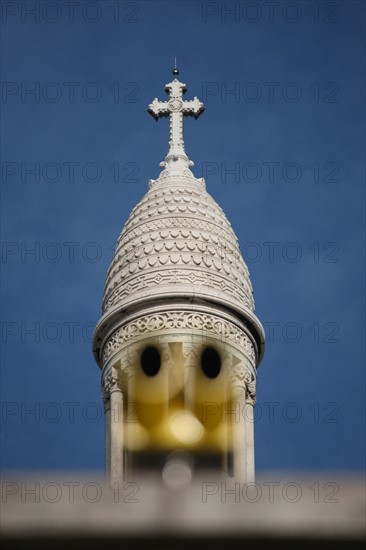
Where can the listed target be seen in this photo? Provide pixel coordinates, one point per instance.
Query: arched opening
(210, 363)
(150, 361)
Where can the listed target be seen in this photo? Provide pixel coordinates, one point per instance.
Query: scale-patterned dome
(177, 247)
(178, 242)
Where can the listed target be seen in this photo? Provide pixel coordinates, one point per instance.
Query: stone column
(239, 442)
(166, 364)
(226, 366)
(107, 412)
(190, 365)
(114, 425)
(129, 383)
(249, 418)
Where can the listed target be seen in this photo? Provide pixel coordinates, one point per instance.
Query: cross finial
(176, 160)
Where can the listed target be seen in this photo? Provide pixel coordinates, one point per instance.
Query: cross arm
(158, 109)
(194, 107)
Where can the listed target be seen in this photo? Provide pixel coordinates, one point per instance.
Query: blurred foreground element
(177, 508)
(163, 396)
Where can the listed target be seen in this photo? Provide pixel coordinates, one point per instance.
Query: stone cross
(176, 107)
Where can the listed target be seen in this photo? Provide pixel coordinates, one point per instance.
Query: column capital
(110, 384)
(238, 374)
(251, 385)
(241, 377)
(190, 354)
(128, 366)
(166, 356)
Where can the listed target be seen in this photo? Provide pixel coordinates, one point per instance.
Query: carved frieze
(154, 322)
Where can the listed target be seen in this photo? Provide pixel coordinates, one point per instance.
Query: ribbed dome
(177, 249)
(178, 242)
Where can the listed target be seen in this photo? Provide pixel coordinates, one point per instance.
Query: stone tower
(178, 342)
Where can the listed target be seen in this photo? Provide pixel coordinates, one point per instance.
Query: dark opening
(210, 363)
(150, 361)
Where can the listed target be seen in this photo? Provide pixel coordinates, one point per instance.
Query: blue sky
(281, 145)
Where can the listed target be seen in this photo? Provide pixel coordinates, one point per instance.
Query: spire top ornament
(175, 71)
(176, 161)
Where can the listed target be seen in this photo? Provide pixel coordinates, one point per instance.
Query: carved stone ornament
(109, 383)
(251, 385)
(190, 354)
(149, 324)
(176, 160)
(251, 393)
(241, 376)
(166, 356)
(238, 374)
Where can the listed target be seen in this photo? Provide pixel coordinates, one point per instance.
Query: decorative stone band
(155, 322)
(176, 202)
(147, 234)
(165, 260)
(177, 179)
(173, 241)
(134, 230)
(186, 281)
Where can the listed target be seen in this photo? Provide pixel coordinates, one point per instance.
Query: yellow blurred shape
(137, 437)
(186, 428)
